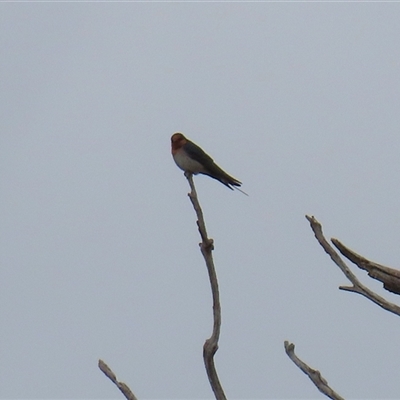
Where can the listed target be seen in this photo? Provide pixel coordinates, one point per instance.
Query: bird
(194, 160)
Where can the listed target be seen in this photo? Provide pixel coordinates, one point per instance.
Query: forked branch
(390, 277)
(357, 287)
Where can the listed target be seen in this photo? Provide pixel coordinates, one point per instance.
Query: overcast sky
(99, 247)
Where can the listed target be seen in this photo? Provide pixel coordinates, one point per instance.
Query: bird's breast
(186, 163)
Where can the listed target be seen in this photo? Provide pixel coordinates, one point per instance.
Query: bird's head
(177, 141)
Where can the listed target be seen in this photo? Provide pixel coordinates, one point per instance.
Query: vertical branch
(206, 247)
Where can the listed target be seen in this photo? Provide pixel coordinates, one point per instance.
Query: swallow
(194, 160)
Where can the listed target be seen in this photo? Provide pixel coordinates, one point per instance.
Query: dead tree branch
(390, 277)
(211, 345)
(357, 287)
(206, 247)
(313, 374)
(120, 385)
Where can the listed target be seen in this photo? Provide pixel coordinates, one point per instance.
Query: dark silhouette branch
(120, 385)
(206, 247)
(357, 287)
(313, 374)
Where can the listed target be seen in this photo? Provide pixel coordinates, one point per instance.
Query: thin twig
(206, 247)
(120, 385)
(313, 374)
(357, 287)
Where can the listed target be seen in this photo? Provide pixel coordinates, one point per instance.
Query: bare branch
(313, 374)
(358, 287)
(206, 247)
(120, 385)
(390, 277)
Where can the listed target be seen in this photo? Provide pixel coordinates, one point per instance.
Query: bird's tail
(216, 172)
(240, 190)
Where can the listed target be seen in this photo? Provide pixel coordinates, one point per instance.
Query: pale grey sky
(99, 247)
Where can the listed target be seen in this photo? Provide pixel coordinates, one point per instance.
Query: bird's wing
(210, 168)
(198, 154)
